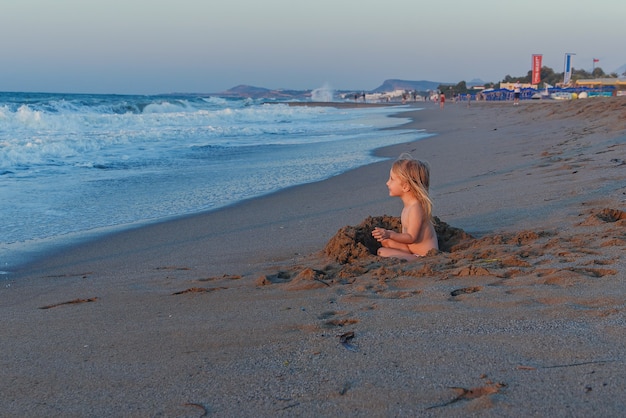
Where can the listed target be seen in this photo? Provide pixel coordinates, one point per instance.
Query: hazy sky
(207, 46)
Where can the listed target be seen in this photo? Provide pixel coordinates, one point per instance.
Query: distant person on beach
(517, 90)
(409, 180)
(442, 100)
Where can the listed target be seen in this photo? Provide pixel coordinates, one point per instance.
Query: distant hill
(243, 91)
(393, 85)
(621, 70)
(475, 82)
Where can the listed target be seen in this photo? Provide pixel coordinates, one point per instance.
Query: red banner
(536, 68)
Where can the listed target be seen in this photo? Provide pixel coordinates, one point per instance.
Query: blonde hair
(416, 174)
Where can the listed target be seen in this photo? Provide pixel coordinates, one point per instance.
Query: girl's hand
(381, 234)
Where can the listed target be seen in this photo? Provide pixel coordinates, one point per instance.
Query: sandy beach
(277, 307)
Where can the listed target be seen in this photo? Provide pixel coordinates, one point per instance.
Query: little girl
(409, 180)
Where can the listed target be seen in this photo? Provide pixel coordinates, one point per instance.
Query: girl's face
(395, 185)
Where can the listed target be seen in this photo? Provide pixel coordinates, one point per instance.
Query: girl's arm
(403, 237)
(411, 226)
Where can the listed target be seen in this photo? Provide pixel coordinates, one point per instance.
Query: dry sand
(275, 307)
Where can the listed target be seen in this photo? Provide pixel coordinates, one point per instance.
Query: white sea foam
(323, 94)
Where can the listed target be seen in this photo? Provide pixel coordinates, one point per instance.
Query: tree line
(548, 76)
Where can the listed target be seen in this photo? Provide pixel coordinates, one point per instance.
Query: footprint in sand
(463, 394)
(198, 290)
(466, 290)
(336, 322)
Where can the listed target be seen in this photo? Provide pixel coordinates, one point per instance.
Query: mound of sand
(351, 243)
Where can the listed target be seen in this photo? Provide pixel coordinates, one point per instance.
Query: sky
(208, 46)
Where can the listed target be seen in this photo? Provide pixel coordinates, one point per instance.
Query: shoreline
(248, 312)
(31, 252)
(76, 249)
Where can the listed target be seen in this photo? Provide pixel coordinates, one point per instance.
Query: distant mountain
(393, 85)
(475, 82)
(621, 70)
(243, 91)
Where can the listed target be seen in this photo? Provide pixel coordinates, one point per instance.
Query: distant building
(599, 82)
(618, 84)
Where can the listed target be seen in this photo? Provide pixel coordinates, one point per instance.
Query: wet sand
(276, 306)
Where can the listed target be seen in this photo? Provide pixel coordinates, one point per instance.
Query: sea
(73, 166)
